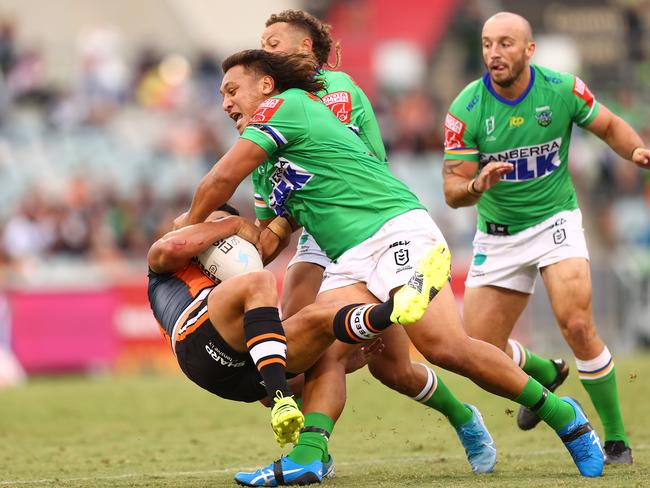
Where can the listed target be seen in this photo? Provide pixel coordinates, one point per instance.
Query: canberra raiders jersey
(533, 133)
(351, 106)
(320, 173)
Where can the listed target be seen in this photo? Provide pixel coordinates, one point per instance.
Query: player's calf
(267, 346)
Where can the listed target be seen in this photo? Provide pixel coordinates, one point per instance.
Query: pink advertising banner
(63, 331)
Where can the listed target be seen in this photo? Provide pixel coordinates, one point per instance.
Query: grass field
(164, 431)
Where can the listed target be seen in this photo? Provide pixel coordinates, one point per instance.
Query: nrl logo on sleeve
(265, 110)
(582, 90)
(454, 129)
(544, 116)
(340, 105)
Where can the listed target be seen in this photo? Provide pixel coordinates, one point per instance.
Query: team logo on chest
(544, 116)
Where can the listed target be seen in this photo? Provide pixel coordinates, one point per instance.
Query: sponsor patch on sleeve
(340, 104)
(581, 89)
(265, 111)
(454, 130)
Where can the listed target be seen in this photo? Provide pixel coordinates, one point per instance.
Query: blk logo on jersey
(529, 162)
(287, 177)
(265, 110)
(340, 105)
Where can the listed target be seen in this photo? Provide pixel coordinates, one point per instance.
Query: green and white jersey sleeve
(351, 106)
(533, 133)
(320, 173)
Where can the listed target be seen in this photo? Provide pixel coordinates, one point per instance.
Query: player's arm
(620, 136)
(463, 187)
(222, 180)
(275, 236)
(461, 183)
(174, 250)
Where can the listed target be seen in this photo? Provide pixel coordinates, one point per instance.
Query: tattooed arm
(463, 187)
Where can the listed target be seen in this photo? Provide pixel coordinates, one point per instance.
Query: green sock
(604, 396)
(543, 370)
(444, 401)
(312, 446)
(554, 411)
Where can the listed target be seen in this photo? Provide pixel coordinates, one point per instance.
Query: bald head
(508, 45)
(511, 24)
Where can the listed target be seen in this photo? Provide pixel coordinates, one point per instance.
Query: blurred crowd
(98, 168)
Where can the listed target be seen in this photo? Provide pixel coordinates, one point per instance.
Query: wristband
(280, 227)
(472, 190)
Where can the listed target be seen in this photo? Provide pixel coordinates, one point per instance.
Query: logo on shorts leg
(559, 236)
(401, 257)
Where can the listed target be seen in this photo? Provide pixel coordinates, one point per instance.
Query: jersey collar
(488, 84)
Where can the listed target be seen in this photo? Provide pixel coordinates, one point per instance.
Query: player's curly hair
(287, 70)
(317, 30)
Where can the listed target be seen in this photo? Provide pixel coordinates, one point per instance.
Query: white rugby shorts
(387, 259)
(513, 262)
(308, 251)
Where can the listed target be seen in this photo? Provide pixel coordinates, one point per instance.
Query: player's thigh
(490, 313)
(227, 303)
(354, 293)
(300, 287)
(440, 330)
(568, 284)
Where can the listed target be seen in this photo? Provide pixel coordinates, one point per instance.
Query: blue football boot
(582, 442)
(477, 441)
(328, 468)
(283, 472)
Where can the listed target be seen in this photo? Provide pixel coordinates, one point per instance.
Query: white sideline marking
(367, 462)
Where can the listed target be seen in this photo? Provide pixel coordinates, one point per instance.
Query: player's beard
(517, 68)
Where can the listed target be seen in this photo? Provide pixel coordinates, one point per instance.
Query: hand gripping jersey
(533, 133)
(351, 106)
(320, 173)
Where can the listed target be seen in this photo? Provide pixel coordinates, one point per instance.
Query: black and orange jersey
(171, 296)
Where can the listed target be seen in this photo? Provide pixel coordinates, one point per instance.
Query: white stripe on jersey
(199, 297)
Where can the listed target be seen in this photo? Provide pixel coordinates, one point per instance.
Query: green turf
(164, 431)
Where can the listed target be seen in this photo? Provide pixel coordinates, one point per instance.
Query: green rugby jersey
(533, 133)
(351, 106)
(320, 173)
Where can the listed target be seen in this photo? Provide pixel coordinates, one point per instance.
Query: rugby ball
(229, 257)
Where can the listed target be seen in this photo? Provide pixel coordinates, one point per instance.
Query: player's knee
(448, 357)
(262, 283)
(578, 330)
(401, 379)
